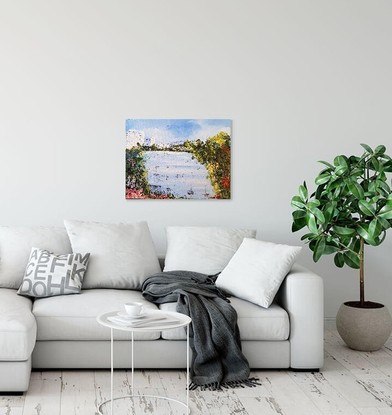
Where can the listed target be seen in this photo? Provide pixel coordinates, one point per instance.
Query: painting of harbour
(178, 159)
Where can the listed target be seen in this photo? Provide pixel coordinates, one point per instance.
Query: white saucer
(126, 315)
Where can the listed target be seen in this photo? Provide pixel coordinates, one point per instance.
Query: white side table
(183, 321)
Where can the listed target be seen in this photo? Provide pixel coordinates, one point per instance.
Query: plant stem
(361, 274)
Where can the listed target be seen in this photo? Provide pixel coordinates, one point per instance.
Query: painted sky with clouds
(167, 131)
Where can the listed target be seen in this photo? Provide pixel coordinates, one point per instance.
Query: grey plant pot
(364, 329)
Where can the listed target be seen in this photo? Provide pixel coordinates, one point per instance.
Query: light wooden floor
(350, 383)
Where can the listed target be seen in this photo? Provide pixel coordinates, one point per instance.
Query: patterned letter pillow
(202, 249)
(49, 274)
(122, 254)
(257, 270)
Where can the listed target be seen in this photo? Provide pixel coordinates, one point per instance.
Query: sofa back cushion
(15, 247)
(122, 255)
(202, 249)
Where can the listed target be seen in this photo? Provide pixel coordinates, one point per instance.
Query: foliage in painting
(215, 155)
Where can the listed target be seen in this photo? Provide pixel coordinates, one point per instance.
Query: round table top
(167, 320)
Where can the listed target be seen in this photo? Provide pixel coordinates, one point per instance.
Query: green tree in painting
(214, 153)
(136, 172)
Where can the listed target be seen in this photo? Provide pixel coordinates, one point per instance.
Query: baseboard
(330, 323)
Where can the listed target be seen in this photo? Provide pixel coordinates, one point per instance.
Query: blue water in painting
(177, 173)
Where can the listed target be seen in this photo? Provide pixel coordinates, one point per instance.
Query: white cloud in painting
(207, 130)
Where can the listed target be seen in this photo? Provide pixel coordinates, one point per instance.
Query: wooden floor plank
(121, 388)
(322, 393)
(11, 410)
(77, 393)
(12, 401)
(44, 394)
(375, 411)
(371, 364)
(277, 393)
(352, 387)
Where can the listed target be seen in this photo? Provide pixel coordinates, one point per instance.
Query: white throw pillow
(202, 249)
(122, 255)
(257, 270)
(48, 274)
(15, 247)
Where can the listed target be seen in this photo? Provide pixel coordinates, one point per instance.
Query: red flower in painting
(134, 194)
(226, 149)
(226, 182)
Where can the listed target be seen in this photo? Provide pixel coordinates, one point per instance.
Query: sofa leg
(305, 370)
(11, 393)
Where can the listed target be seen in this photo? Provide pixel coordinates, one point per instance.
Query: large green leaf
(366, 208)
(388, 166)
(298, 225)
(344, 231)
(313, 203)
(355, 188)
(298, 214)
(308, 236)
(351, 259)
(312, 225)
(339, 259)
(380, 149)
(341, 161)
(322, 178)
(383, 223)
(376, 164)
(355, 245)
(319, 215)
(328, 212)
(340, 170)
(299, 220)
(297, 202)
(384, 186)
(303, 193)
(319, 249)
(363, 232)
(367, 148)
(330, 249)
(375, 229)
(385, 212)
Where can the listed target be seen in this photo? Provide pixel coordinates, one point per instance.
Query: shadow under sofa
(62, 332)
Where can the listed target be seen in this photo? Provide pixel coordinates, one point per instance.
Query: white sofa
(62, 332)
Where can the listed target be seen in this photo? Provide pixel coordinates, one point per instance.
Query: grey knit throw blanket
(217, 359)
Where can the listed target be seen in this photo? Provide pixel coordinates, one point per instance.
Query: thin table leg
(132, 363)
(187, 368)
(111, 371)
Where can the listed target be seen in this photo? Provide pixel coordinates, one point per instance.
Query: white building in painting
(149, 141)
(134, 137)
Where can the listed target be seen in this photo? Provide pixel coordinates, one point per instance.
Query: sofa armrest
(302, 296)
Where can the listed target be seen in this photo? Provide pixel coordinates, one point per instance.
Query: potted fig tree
(350, 208)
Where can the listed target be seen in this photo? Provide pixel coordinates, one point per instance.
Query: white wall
(302, 81)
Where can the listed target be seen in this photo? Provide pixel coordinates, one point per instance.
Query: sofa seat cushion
(18, 328)
(73, 317)
(254, 322)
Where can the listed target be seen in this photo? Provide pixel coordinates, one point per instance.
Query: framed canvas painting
(178, 159)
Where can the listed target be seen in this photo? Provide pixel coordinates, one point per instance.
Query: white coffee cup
(133, 309)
